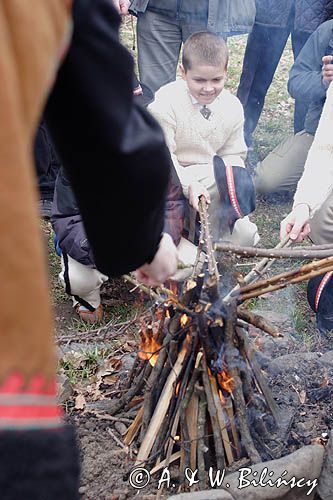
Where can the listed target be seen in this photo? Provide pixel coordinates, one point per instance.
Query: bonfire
(202, 398)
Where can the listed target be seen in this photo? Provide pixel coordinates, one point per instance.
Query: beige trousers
(281, 171)
(284, 166)
(85, 282)
(322, 223)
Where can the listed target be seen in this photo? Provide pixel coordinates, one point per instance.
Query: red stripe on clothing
(16, 384)
(30, 412)
(232, 191)
(321, 287)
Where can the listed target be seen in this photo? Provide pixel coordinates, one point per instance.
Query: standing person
(203, 126)
(47, 165)
(164, 25)
(274, 22)
(117, 159)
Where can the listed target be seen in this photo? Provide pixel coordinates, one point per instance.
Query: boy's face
(204, 82)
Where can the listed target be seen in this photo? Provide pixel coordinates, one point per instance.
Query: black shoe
(324, 322)
(45, 208)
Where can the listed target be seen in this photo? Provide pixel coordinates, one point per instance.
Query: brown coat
(32, 34)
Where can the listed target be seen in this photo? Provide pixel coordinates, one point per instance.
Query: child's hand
(163, 266)
(196, 190)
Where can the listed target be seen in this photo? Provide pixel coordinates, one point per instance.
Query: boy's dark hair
(206, 48)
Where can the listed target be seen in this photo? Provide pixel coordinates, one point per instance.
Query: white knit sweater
(316, 183)
(193, 140)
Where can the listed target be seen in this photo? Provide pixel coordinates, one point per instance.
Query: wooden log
(201, 448)
(219, 451)
(134, 428)
(259, 322)
(160, 411)
(192, 423)
(175, 401)
(184, 413)
(229, 416)
(222, 421)
(149, 399)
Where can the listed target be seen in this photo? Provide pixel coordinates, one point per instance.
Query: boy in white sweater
(201, 119)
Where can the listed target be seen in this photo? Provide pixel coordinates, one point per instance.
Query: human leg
(159, 42)
(262, 55)
(322, 224)
(283, 167)
(298, 39)
(83, 283)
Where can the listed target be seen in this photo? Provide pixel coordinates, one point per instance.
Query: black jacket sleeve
(113, 150)
(305, 79)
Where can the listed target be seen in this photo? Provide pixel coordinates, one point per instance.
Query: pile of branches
(196, 382)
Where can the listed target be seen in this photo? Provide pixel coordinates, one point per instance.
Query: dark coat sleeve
(67, 223)
(113, 150)
(174, 209)
(305, 79)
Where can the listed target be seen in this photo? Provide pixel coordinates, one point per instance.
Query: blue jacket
(305, 79)
(225, 17)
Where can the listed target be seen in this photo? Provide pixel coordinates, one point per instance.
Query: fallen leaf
(80, 402)
(302, 396)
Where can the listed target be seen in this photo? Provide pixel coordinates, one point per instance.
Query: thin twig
(117, 440)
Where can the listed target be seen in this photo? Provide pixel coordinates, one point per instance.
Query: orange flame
(149, 348)
(225, 381)
(184, 319)
(177, 388)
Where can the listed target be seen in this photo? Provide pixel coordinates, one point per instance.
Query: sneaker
(45, 208)
(90, 317)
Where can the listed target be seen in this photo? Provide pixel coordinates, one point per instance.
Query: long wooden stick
(282, 280)
(308, 253)
(160, 410)
(218, 443)
(212, 266)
